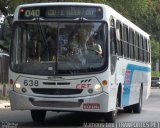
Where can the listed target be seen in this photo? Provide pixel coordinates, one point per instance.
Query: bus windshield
(50, 48)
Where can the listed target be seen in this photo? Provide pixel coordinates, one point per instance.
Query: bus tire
(38, 115)
(110, 117)
(137, 108)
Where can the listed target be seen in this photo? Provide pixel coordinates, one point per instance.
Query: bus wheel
(110, 117)
(137, 108)
(38, 115)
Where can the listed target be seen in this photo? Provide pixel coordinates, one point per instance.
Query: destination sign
(88, 12)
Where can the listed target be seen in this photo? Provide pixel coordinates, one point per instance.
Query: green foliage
(130, 8)
(155, 73)
(4, 98)
(155, 53)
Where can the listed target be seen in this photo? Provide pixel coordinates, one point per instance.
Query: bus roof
(61, 3)
(108, 11)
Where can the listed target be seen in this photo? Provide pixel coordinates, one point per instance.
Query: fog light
(17, 85)
(24, 90)
(97, 87)
(90, 90)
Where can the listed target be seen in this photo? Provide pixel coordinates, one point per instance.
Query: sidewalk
(4, 104)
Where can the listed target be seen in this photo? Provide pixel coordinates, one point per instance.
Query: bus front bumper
(95, 103)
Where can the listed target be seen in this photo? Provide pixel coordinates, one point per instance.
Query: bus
(77, 57)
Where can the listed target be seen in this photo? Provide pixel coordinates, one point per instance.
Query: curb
(4, 104)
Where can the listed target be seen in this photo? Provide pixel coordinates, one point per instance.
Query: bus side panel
(135, 76)
(139, 78)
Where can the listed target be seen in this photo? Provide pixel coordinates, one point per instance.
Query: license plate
(91, 106)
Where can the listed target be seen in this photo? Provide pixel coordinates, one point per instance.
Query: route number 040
(32, 13)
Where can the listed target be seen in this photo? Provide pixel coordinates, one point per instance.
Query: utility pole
(157, 65)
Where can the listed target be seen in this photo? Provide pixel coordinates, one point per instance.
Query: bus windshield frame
(71, 47)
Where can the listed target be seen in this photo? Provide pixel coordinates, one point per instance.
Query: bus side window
(119, 42)
(125, 41)
(113, 46)
(136, 46)
(131, 44)
(113, 41)
(145, 50)
(147, 53)
(149, 50)
(140, 48)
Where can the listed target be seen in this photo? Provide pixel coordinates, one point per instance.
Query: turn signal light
(104, 82)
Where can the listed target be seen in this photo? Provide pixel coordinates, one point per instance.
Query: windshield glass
(49, 48)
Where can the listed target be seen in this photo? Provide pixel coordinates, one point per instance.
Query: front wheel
(110, 117)
(38, 115)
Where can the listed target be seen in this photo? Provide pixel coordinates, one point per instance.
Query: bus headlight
(97, 87)
(17, 86)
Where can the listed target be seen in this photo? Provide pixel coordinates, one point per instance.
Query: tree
(155, 53)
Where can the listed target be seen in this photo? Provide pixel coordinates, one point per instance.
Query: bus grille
(58, 104)
(58, 83)
(51, 91)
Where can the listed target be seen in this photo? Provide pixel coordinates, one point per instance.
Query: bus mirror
(118, 34)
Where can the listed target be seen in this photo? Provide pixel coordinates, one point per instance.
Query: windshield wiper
(43, 36)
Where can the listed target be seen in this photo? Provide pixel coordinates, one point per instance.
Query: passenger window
(119, 43)
(125, 41)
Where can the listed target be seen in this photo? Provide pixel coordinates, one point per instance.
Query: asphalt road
(150, 114)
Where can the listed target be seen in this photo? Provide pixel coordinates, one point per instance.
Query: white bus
(77, 57)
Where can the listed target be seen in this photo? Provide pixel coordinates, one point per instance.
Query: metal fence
(4, 67)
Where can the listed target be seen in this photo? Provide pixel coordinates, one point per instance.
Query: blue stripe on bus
(128, 80)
